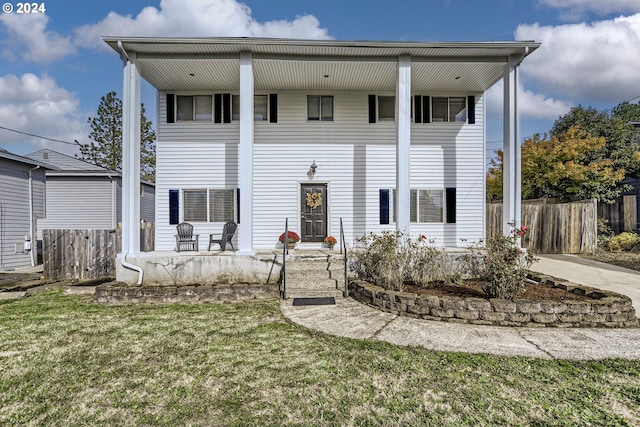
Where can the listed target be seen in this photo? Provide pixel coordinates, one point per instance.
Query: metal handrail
(285, 252)
(343, 245)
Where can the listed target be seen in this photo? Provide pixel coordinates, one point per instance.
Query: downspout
(123, 260)
(130, 266)
(32, 253)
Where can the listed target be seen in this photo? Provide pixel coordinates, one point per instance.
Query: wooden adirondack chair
(185, 240)
(228, 230)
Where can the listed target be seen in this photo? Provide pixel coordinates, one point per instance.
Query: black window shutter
(426, 109)
(417, 107)
(174, 206)
(238, 204)
(217, 108)
(471, 109)
(451, 205)
(171, 114)
(384, 206)
(273, 108)
(372, 109)
(226, 105)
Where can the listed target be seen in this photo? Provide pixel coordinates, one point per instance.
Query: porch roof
(292, 64)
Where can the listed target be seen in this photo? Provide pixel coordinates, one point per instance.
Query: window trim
(385, 119)
(208, 206)
(271, 113)
(320, 119)
(416, 214)
(448, 98)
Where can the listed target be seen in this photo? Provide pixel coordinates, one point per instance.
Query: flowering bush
(501, 264)
(390, 259)
(293, 237)
(330, 241)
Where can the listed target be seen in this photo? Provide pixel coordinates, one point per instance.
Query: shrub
(624, 242)
(500, 264)
(604, 234)
(378, 261)
(390, 259)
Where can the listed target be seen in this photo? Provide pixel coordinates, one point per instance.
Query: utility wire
(39, 136)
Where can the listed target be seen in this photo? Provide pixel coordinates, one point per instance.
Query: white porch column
(245, 228)
(512, 177)
(403, 144)
(131, 157)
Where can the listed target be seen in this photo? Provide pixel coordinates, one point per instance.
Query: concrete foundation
(170, 268)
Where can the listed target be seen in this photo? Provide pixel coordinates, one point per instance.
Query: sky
(54, 66)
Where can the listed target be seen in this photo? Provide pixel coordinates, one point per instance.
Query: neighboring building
(81, 195)
(385, 135)
(22, 201)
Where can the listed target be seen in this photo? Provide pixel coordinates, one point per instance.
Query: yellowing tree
(563, 168)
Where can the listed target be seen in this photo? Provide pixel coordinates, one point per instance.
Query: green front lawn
(64, 362)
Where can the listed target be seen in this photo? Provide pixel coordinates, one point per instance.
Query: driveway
(592, 273)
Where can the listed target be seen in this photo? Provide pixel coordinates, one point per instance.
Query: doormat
(297, 302)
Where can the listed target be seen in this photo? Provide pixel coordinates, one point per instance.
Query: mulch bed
(471, 288)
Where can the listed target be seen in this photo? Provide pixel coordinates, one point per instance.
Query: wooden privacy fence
(622, 215)
(554, 228)
(86, 254)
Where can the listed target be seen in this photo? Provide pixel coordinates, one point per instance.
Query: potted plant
(292, 240)
(330, 241)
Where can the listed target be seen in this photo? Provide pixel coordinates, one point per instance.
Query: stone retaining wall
(123, 294)
(606, 309)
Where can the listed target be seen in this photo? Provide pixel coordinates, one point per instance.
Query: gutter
(123, 260)
(122, 51)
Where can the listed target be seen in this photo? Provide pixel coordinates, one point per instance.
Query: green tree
(105, 148)
(621, 137)
(563, 168)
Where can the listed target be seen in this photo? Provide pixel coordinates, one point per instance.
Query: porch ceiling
(213, 64)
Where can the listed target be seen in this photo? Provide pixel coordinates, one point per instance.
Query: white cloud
(574, 9)
(198, 18)
(589, 63)
(36, 105)
(28, 38)
(531, 105)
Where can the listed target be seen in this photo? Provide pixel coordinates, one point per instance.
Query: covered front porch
(245, 66)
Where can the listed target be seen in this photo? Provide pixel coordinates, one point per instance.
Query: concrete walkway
(351, 319)
(592, 273)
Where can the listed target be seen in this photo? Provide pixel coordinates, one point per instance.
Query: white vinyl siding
(14, 210)
(354, 158)
(79, 203)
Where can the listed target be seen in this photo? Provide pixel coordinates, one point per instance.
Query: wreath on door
(314, 200)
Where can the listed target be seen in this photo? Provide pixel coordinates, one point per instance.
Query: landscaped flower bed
(603, 309)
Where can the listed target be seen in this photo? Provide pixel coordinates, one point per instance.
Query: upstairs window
(449, 109)
(320, 108)
(427, 109)
(265, 107)
(382, 108)
(189, 108)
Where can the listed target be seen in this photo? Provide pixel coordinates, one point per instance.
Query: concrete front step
(313, 276)
(307, 293)
(311, 283)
